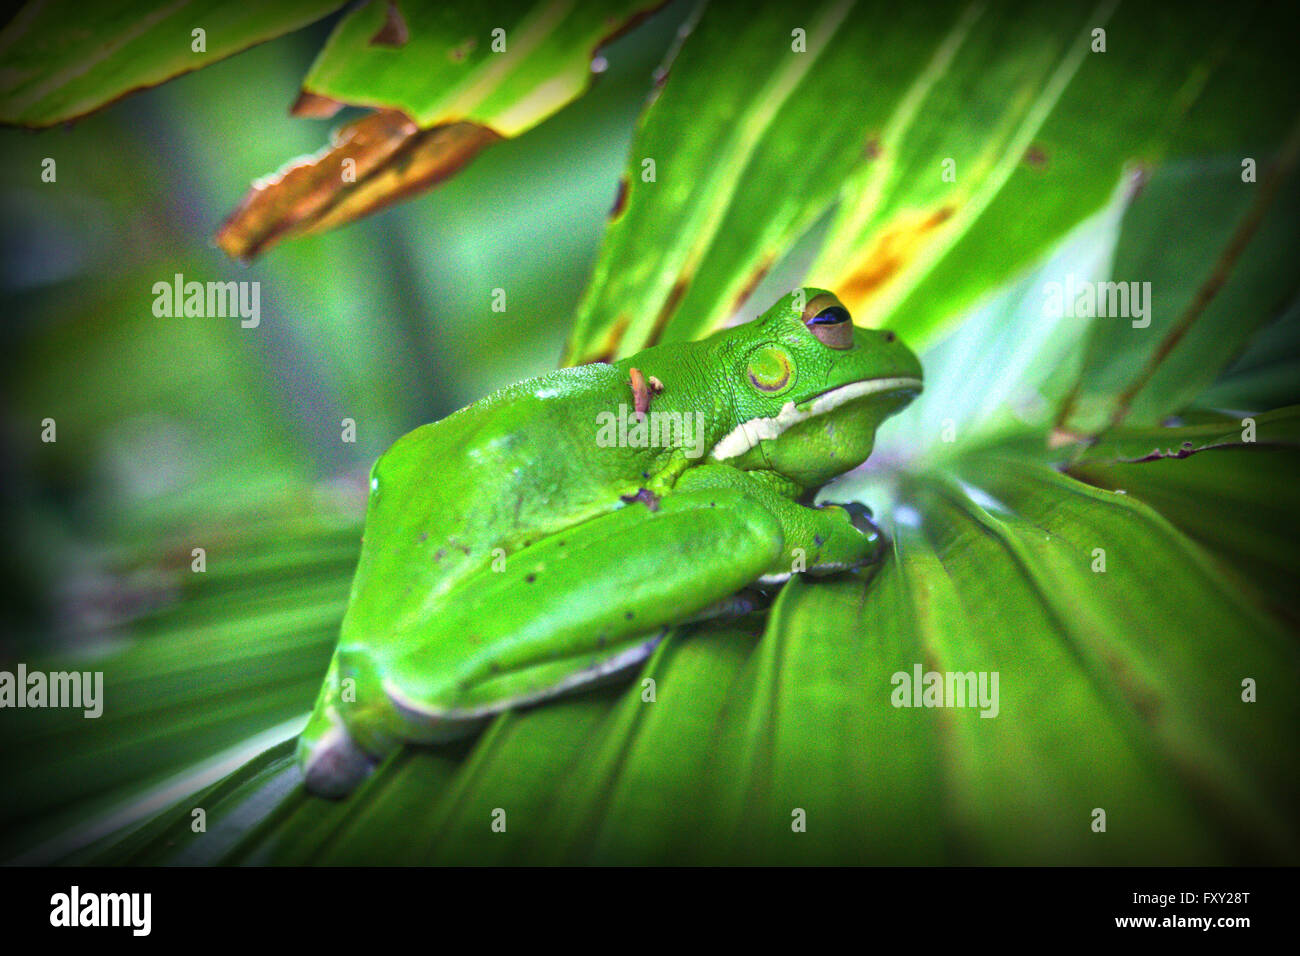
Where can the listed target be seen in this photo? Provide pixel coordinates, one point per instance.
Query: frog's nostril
(889, 336)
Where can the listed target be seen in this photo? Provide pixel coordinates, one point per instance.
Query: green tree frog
(548, 536)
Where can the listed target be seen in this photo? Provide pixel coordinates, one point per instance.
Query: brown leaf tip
(310, 105)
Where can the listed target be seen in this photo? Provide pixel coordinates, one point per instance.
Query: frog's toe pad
(332, 764)
(860, 515)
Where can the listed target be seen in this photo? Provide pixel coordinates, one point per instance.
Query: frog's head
(811, 388)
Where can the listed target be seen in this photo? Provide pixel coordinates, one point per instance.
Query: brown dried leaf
(377, 160)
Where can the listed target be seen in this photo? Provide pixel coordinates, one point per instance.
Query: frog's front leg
(820, 540)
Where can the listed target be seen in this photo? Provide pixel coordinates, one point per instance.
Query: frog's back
(449, 497)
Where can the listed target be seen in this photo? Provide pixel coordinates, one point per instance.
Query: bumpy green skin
(507, 556)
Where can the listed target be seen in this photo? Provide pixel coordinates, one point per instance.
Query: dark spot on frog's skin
(645, 496)
(817, 540)
(629, 615)
(465, 548)
(424, 536)
(442, 553)
(1035, 157)
(872, 149)
(531, 578)
(602, 641)
(889, 335)
(494, 667)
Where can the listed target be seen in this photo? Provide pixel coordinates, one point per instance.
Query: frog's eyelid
(838, 336)
(819, 304)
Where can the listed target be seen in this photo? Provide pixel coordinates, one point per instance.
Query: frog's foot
(861, 518)
(427, 723)
(332, 762)
(859, 514)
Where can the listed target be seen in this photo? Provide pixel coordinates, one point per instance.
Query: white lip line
(748, 434)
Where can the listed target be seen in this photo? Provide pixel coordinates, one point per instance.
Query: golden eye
(769, 370)
(829, 321)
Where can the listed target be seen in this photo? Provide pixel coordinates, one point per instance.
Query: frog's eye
(769, 370)
(829, 322)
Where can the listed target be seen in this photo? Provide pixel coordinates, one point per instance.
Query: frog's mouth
(833, 398)
(748, 434)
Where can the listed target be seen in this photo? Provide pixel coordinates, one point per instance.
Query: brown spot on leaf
(1143, 699)
(669, 309)
(1036, 157)
(609, 348)
(394, 32)
(872, 149)
(890, 252)
(620, 201)
(755, 277)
